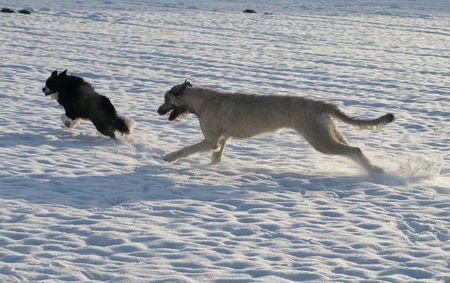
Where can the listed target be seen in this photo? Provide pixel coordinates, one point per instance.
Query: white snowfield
(77, 206)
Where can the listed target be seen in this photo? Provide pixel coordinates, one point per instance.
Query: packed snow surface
(77, 206)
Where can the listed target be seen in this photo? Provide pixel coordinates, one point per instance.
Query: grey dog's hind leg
(324, 137)
(217, 155)
(339, 136)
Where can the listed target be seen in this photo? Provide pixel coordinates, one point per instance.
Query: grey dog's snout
(161, 110)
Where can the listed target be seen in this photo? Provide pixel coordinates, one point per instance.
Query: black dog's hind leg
(105, 128)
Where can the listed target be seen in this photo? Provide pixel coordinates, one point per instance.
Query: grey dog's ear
(63, 73)
(187, 83)
(54, 73)
(178, 89)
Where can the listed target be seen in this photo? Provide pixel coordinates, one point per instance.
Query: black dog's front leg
(69, 120)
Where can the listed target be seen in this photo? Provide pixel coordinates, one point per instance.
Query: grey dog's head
(174, 101)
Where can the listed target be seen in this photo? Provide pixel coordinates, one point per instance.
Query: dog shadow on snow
(59, 138)
(160, 181)
(163, 183)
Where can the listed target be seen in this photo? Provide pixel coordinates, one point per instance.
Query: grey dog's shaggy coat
(226, 115)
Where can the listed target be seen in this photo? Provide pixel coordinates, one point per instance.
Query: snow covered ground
(76, 206)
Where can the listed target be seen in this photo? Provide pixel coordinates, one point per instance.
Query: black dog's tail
(123, 125)
(120, 124)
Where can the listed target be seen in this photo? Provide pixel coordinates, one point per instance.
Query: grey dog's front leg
(188, 150)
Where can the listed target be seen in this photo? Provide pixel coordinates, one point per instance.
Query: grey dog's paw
(376, 171)
(170, 157)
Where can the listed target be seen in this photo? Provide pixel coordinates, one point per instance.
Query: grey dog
(233, 115)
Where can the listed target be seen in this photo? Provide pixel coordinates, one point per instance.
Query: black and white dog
(80, 101)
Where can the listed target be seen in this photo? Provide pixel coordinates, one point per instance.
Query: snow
(77, 206)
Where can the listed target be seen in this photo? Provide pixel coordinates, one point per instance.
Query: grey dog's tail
(377, 123)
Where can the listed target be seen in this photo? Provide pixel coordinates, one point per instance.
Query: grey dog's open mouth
(174, 113)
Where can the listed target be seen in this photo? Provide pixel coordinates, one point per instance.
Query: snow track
(76, 206)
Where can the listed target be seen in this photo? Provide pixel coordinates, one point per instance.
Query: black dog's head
(174, 101)
(58, 84)
(54, 83)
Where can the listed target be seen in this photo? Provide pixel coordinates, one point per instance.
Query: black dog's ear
(63, 73)
(187, 83)
(55, 73)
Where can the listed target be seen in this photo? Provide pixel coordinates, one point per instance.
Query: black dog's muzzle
(47, 91)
